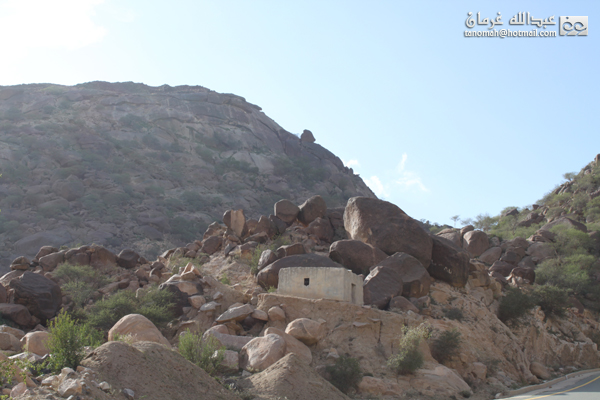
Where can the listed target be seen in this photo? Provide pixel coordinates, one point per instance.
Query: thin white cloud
(408, 179)
(58, 24)
(377, 187)
(400, 166)
(352, 163)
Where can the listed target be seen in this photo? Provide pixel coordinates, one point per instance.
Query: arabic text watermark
(568, 26)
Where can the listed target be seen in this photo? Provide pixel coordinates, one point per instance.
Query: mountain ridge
(131, 165)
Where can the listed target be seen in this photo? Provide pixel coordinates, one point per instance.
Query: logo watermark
(573, 26)
(568, 26)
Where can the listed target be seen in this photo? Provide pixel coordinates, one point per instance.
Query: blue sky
(437, 123)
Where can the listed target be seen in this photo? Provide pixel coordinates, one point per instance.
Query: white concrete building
(321, 283)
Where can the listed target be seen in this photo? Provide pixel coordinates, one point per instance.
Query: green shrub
(345, 374)
(253, 262)
(82, 281)
(568, 272)
(571, 241)
(454, 313)
(154, 304)
(552, 300)
(514, 305)
(201, 352)
(446, 345)
(225, 279)
(67, 341)
(409, 357)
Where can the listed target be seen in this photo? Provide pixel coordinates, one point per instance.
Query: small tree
(455, 218)
(207, 354)
(446, 345)
(514, 305)
(345, 374)
(409, 357)
(551, 299)
(67, 342)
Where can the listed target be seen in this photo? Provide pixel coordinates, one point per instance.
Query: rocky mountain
(129, 165)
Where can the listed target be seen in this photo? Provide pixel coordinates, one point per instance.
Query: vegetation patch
(409, 357)
(345, 373)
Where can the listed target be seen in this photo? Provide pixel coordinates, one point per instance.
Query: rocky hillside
(129, 165)
(224, 286)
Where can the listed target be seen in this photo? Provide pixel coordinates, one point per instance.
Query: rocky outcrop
(312, 209)
(262, 352)
(137, 328)
(142, 368)
(381, 285)
(41, 296)
(449, 262)
(356, 255)
(385, 226)
(414, 276)
(475, 242)
(282, 380)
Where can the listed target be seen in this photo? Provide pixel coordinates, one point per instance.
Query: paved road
(585, 387)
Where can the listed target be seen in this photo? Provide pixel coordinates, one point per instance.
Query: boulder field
(225, 288)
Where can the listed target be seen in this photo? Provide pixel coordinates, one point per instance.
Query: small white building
(321, 283)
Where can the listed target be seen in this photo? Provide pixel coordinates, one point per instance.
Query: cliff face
(129, 165)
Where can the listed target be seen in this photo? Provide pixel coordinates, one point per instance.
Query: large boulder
(51, 261)
(564, 221)
(291, 378)
(41, 296)
(453, 235)
(502, 268)
(21, 263)
(307, 137)
(290, 250)
(491, 255)
(527, 274)
(180, 296)
(306, 330)
(476, 242)
(449, 262)
(262, 352)
(128, 258)
(236, 221)
(286, 211)
(385, 226)
(381, 285)
(44, 251)
(415, 278)
(17, 313)
(35, 342)
(138, 329)
(311, 209)
(101, 257)
(266, 257)
(539, 370)
(211, 244)
(292, 345)
(153, 371)
(265, 225)
(221, 335)
(269, 276)
(541, 250)
(356, 255)
(235, 314)
(322, 229)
